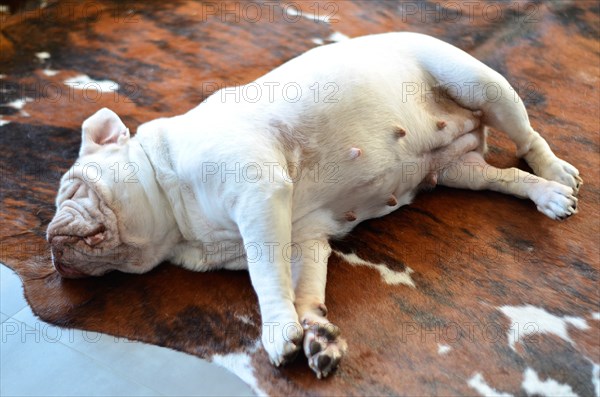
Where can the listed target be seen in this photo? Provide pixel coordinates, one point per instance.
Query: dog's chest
(217, 249)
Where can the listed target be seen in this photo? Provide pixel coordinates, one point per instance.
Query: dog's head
(110, 212)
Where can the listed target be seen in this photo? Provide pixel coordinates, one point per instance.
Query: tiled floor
(38, 359)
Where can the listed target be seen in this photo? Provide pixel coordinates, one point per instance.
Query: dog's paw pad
(323, 347)
(313, 348)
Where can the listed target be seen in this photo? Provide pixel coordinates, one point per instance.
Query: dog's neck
(157, 150)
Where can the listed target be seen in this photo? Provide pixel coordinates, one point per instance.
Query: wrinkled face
(110, 213)
(84, 235)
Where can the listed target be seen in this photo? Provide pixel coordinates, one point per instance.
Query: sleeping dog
(260, 176)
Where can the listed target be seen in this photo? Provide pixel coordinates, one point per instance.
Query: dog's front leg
(323, 345)
(263, 215)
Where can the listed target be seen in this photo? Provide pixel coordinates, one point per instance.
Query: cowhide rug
(460, 293)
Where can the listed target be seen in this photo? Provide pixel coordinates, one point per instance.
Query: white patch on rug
(18, 103)
(596, 316)
(2, 76)
(240, 364)
(478, 383)
(50, 72)
(83, 82)
(577, 322)
(42, 56)
(533, 385)
(529, 320)
(244, 318)
(334, 37)
(337, 36)
(389, 276)
(443, 349)
(3, 122)
(293, 11)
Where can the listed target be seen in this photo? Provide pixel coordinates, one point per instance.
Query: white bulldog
(260, 176)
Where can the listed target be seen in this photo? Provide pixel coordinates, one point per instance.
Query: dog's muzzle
(59, 245)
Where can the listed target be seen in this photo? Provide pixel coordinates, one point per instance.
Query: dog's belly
(349, 174)
(341, 195)
(333, 202)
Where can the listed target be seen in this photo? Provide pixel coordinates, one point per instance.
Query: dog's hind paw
(323, 345)
(555, 200)
(564, 173)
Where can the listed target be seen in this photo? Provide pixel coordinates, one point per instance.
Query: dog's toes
(283, 349)
(327, 356)
(328, 362)
(564, 173)
(555, 200)
(290, 355)
(323, 347)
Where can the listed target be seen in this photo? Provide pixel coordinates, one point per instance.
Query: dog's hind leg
(471, 171)
(323, 345)
(508, 114)
(475, 86)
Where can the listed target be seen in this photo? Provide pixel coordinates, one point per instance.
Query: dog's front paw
(323, 345)
(555, 200)
(282, 342)
(562, 172)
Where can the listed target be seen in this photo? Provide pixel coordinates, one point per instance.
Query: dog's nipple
(392, 201)
(431, 179)
(441, 124)
(400, 132)
(355, 153)
(350, 216)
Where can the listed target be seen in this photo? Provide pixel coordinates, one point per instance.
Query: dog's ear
(102, 128)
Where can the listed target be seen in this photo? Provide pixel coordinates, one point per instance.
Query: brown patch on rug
(482, 261)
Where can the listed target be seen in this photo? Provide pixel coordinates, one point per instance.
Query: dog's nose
(57, 253)
(58, 245)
